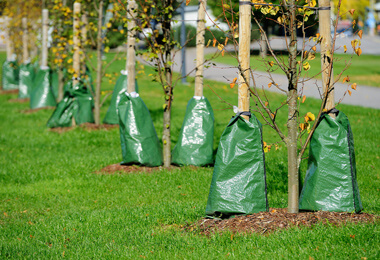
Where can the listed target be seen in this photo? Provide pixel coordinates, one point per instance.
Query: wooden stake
(25, 53)
(200, 48)
(244, 56)
(326, 50)
(45, 28)
(131, 52)
(8, 40)
(84, 40)
(76, 40)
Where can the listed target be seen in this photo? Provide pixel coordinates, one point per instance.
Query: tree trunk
(131, 51)
(99, 64)
(168, 88)
(244, 58)
(293, 174)
(60, 84)
(200, 48)
(326, 56)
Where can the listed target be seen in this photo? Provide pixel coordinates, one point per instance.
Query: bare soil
(30, 111)
(11, 91)
(19, 100)
(119, 169)
(92, 126)
(277, 219)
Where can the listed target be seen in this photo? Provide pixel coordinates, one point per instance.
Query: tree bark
(131, 51)
(76, 40)
(293, 174)
(168, 88)
(99, 69)
(244, 57)
(45, 27)
(326, 54)
(200, 48)
(25, 55)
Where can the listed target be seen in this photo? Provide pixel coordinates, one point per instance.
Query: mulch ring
(85, 126)
(31, 111)
(277, 219)
(11, 91)
(92, 126)
(120, 169)
(19, 100)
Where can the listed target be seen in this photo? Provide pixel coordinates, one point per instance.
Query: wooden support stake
(326, 50)
(84, 40)
(244, 56)
(45, 28)
(131, 52)
(25, 39)
(200, 48)
(8, 40)
(76, 40)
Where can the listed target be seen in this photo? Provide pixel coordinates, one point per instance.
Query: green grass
(52, 204)
(364, 70)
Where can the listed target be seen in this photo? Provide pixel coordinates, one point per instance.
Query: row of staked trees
(293, 16)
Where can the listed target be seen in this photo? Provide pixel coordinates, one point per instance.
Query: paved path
(364, 95)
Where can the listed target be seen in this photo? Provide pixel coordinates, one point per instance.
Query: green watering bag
(195, 142)
(330, 182)
(139, 141)
(10, 77)
(26, 76)
(119, 89)
(42, 93)
(238, 183)
(77, 102)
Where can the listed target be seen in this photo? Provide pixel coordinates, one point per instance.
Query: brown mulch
(117, 168)
(19, 100)
(92, 126)
(86, 126)
(277, 219)
(11, 91)
(30, 111)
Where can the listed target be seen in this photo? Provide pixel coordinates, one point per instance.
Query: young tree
(157, 16)
(291, 16)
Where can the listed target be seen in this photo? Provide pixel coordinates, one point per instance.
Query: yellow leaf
(314, 48)
(266, 104)
(213, 42)
(358, 51)
(353, 86)
(70, 61)
(352, 11)
(346, 79)
(270, 84)
(208, 43)
(109, 25)
(349, 92)
(220, 46)
(360, 33)
(71, 42)
(232, 85)
(345, 48)
(107, 49)
(226, 6)
(234, 80)
(306, 66)
(303, 99)
(223, 53)
(311, 116)
(187, 2)
(311, 56)
(271, 63)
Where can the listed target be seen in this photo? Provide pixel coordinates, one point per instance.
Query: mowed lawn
(53, 204)
(363, 70)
